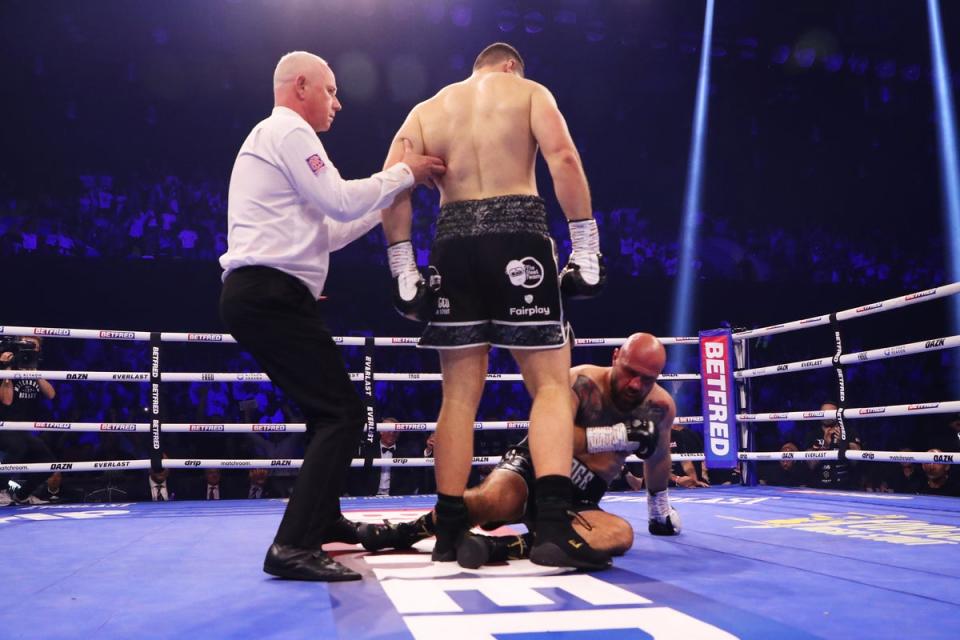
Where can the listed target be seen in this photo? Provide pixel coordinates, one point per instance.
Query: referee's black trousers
(277, 320)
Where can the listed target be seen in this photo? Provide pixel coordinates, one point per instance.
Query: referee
(288, 208)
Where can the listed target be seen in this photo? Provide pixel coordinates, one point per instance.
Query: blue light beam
(947, 143)
(689, 236)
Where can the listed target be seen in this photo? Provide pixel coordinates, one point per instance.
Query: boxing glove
(585, 273)
(637, 435)
(413, 297)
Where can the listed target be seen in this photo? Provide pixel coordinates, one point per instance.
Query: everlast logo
(118, 335)
(866, 455)
(111, 465)
(61, 466)
(204, 337)
(811, 363)
(40, 331)
(192, 463)
(280, 463)
(942, 457)
(816, 454)
(930, 344)
(783, 367)
(129, 376)
(78, 376)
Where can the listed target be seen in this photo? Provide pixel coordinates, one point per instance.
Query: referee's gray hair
(293, 64)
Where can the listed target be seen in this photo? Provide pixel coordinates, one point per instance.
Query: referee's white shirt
(288, 207)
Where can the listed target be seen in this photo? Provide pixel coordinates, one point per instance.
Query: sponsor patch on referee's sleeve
(316, 164)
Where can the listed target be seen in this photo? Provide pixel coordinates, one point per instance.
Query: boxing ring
(751, 561)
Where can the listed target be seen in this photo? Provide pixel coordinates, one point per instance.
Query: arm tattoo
(590, 402)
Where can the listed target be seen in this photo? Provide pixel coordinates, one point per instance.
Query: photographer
(21, 400)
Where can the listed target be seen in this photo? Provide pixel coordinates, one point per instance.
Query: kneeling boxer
(619, 410)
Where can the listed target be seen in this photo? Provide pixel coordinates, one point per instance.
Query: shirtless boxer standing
(626, 395)
(494, 269)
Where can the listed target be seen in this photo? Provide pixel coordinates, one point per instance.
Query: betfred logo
(810, 320)
(871, 410)
(118, 335)
(778, 416)
(206, 427)
(118, 427)
(405, 340)
(411, 426)
(41, 331)
(869, 307)
(269, 427)
(592, 341)
(813, 414)
(204, 337)
(50, 426)
(918, 407)
(518, 425)
(920, 294)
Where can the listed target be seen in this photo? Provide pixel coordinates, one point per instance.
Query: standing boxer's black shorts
(497, 271)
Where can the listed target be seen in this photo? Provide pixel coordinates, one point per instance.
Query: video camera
(26, 354)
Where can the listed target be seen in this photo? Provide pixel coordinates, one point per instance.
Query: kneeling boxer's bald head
(636, 366)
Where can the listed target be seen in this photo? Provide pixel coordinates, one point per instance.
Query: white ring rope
(928, 457)
(923, 346)
(226, 338)
(144, 376)
(855, 312)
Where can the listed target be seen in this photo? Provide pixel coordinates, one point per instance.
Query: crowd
(173, 217)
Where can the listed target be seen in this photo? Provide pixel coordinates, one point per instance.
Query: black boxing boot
(477, 550)
(556, 544)
(342, 530)
(400, 535)
(452, 524)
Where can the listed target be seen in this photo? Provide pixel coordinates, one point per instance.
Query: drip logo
(525, 272)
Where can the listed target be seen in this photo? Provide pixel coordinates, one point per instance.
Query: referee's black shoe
(294, 563)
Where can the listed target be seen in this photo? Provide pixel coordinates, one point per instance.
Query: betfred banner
(720, 440)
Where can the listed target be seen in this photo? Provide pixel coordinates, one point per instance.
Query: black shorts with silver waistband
(588, 487)
(497, 270)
